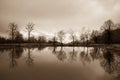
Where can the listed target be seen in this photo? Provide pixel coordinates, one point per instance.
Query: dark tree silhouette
(107, 27)
(42, 39)
(82, 38)
(94, 36)
(54, 39)
(19, 37)
(33, 39)
(2, 40)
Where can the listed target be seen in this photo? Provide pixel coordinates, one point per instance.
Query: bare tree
(87, 36)
(82, 38)
(29, 29)
(54, 39)
(61, 35)
(94, 36)
(42, 39)
(108, 25)
(19, 37)
(72, 36)
(12, 30)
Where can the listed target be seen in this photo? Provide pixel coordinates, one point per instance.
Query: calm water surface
(60, 63)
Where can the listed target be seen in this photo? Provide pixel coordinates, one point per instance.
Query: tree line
(108, 34)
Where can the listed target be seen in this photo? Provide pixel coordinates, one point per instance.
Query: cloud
(54, 15)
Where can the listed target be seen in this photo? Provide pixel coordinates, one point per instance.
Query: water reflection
(107, 59)
(85, 56)
(73, 55)
(29, 59)
(61, 54)
(15, 53)
(95, 53)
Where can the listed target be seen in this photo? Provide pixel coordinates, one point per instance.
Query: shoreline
(57, 45)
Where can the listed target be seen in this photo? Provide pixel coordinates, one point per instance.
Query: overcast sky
(50, 16)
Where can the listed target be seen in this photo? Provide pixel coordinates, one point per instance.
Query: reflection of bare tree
(95, 54)
(29, 60)
(61, 55)
(84, 56)
(41, 48)
(111, 62)
(13, 62)
(108, 62)
(29, 28)
(73, 55)
(12, 30)
(15, 53)
(54, 50)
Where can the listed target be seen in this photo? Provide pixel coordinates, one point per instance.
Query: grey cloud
(58, 14)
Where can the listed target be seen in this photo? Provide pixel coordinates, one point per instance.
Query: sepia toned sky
(50, 16)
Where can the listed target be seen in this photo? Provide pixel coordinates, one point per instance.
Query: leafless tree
(19, 37)
(61, 36)
(54, 39)
(42, 39)
(94, 36)
(29, 28)
(12, 30)
(72, 36)
(82, 38)
(85, 37)
(108, 26)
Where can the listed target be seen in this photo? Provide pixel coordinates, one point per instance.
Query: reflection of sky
(47, 65)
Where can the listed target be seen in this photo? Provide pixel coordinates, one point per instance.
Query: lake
(59, 63)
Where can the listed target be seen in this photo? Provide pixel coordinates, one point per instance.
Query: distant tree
(94, 36)
(42, 39)
(61, 35)
(19, 37)
(82, 38)
(33, 39)
(54, 39)
(29, 28)
(2, 40)
(12, 30)
(87, 36)
(107, 27)
(72, 36)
